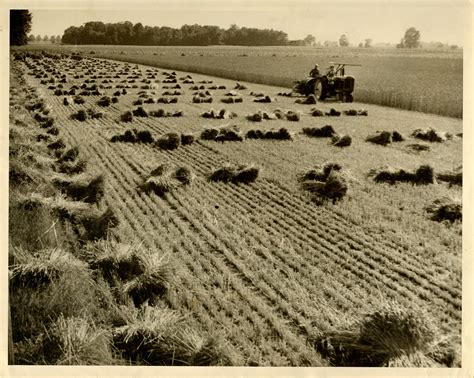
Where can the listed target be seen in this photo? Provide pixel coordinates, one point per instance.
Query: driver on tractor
(331, 73)
(315, 71)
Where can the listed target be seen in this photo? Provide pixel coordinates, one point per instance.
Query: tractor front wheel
(319, 90)
(348, 97)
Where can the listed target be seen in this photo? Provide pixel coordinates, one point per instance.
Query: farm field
(426, 81)
(260, 265)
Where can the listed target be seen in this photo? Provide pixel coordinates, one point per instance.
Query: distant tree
(31, 38)
(20, 26)
(368, 43)
(361, 44)
(39, 38)
(401, 45)
(343, 41)
(45, 38)
(411, 39)
(309, 40)
(52, 38)
(453, 47)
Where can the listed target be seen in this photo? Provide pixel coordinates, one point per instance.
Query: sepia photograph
(236, 184)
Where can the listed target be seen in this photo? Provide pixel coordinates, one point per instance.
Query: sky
(382, 20)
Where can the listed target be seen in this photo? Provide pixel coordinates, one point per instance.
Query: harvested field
(254, 260)
(398, 78)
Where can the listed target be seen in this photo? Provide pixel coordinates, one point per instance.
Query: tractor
(322, 86)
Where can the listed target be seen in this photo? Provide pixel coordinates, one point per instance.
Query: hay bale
(158, 113)
(140, 112)
(184, 175)
(187, 139)
(319, 172)
(382, 138)
(397, 137)
(384, 337)
(350, 112)
(127, 116)
(69, 155)
(97, 225)
(292, 116)
(430, 135)
(324, 183)
(245, 175)
(72, 167)
(445, 209)
(323, 132)
(209, 134)
(256, 117)
(159, 185)
(89, 189)
(333, 113)
(281, 134)
(114, 100)
(223, 174)
(104, 101)
(57, 145)
(65, 101)
(169, 141)
(144, 136)
(341, 140)
(453, 178)
(362, 112)
(53, 131)
(266, 99)
(229, 134)
(424, 175)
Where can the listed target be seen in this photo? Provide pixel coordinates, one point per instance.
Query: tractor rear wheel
(319, 89)
(348, 97)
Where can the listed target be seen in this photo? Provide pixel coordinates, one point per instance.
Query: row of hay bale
(168, 141)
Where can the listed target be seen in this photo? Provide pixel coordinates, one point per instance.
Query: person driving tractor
(315, 71)
(331, 73)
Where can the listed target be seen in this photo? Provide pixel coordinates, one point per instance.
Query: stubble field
(429, 81)
(261, 265)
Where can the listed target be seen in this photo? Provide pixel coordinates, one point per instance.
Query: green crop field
(426, 81)
(128, 251)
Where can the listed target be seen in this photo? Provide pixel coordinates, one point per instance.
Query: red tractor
(333, 84)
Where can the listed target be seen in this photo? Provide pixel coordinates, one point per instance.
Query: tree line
(126, 33)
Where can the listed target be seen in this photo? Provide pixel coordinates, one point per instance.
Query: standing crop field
(426, 81)
(261, 267)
